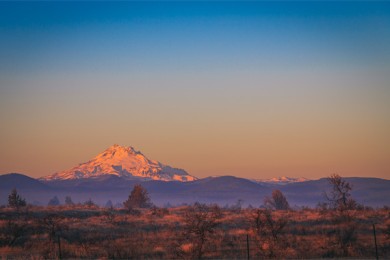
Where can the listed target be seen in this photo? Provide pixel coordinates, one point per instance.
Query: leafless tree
(340, 197)
(54, 225)
(269, 231)
(343, 215)
(200, 223)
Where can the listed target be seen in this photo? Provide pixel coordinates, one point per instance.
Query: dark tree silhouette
(343, 215)
(278, 201)
(138, 198)
(340, 197)
(15, 201)
(54, 201)
(54, 225)
(68, 201)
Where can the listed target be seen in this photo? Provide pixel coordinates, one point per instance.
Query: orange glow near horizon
(246, 88)
(247, 134)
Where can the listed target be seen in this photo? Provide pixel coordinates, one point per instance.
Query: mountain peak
(125, 162)
(118, 149)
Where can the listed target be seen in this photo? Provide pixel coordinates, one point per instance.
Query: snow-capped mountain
(281, 180)
(124, 162)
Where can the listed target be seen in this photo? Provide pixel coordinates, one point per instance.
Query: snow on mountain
(281, 180)
(124, 162)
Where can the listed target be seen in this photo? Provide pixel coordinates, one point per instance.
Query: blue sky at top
(176, 35)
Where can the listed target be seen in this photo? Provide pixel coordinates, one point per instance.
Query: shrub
(269, 231)
(200, 222)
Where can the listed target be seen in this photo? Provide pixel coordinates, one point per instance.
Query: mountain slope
(20, 181)
(124, 162)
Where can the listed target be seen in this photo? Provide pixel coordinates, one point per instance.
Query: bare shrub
(13, 230)
(90, 204)
(343, 210)
(340, 197)
(159, 212)
(200, 222)
(269, 231)
(109, 215)
(54, 226)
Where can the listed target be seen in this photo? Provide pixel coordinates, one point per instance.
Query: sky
(250, 89)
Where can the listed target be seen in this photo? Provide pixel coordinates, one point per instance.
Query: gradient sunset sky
(253, 89)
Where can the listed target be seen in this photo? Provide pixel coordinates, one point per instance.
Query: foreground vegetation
(191, 232)
(338, 228)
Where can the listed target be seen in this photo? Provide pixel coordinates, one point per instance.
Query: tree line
(338, 198)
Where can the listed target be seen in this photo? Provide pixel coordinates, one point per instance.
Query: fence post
(247, 246)
(376, 246)
(59, 247)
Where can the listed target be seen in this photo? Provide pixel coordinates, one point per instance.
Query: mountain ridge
(221, 190)
(281, 180)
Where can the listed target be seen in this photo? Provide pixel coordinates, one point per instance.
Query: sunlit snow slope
(124, 162)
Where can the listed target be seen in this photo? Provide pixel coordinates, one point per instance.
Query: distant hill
(368, 191)
(222, 190)
(20, 182)
(27, 187)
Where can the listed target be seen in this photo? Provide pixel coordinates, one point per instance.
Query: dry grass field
(191, 232)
